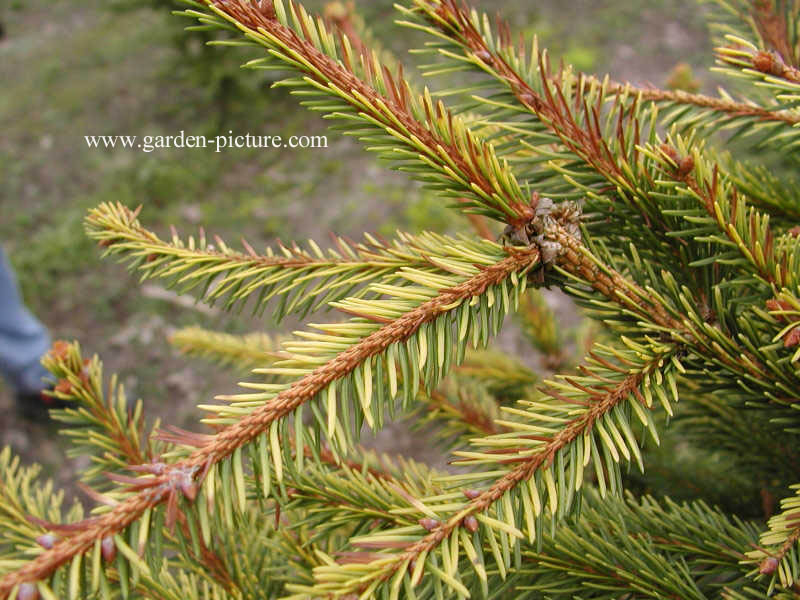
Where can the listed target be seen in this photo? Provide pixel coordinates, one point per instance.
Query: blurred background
(69, 69)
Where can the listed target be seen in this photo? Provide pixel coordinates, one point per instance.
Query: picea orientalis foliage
(661, 460)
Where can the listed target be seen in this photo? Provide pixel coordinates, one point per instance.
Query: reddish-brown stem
(461, 24)
(731, 107)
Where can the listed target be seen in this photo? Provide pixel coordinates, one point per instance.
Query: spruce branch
(351, 25)
(725, 107)
(303, 279)
(269, 18)
(106, 428)
(157, 489)
(658, 547)
(434, 145)
(699, 288)
(569, 114)
(101, 425)
(747, 230)
(770, 26)
(615, 152)
(778, 555)
(28, 505)
(767, 69)
(533, 459)
(467, 40)
(243, 352)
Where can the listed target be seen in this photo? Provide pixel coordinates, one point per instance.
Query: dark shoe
(36, 406)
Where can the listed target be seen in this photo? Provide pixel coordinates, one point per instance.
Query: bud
(46, 540)
(768, 62)
(685, 166)
(484, 56)
(768, 565)
(429, 524)
(267, 9)
(188, 487)
(60, 350)
(471, 524)
(671, 152)
(63, 387)
(108, 549)
(792, 338)
(28, 591)
(471, 494)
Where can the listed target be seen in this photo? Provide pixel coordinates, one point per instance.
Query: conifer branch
(434, 142)
(303, 279)
(351, 25)
(112, 432)
(661, 531)
(616, 154)
(759, 43)
(160, 488)
(243, 352)
(667, 244)
(592, 413)
(471, 43)
(771, 26)
(744, 60)
(273, 31)
(778, 554)
(747, 230)
(723, 105)
(103, 426)
(27, 505)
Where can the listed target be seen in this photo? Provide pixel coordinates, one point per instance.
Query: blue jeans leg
(23, 339)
